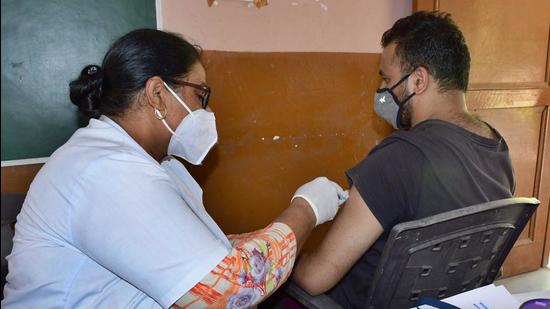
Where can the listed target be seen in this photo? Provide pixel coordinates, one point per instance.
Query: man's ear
(420, 78)
(154, 92)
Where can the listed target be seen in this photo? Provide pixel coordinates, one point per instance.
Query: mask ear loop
(179, 99)
(400, 81)
(401, 104)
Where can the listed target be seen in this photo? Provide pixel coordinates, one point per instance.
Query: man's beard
(407, 111)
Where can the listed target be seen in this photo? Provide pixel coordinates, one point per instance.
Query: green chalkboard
(45, 44)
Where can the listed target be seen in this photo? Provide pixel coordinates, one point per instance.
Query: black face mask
(388, 106)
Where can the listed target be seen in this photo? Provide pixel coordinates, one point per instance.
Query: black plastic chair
(441, 255)
(11, 205)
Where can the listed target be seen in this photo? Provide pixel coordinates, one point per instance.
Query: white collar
(131, 141)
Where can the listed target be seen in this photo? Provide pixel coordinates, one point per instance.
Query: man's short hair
(431, 40)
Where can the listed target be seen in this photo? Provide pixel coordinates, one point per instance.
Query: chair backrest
(10, 207)
(448, 253)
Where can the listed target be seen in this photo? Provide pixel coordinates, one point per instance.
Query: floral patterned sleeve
(256, 266)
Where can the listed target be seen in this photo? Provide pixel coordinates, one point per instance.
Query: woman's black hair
(129, 63)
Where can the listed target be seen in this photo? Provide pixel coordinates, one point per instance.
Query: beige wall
(283, 25)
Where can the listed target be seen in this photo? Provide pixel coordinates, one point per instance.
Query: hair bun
(92, 69)
(86, 91)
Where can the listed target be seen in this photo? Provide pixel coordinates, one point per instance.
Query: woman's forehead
(197, 72)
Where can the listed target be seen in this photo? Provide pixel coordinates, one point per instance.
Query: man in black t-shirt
(443, 158)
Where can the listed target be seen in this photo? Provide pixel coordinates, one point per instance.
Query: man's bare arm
(352, 233)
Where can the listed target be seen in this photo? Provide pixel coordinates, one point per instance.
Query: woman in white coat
(114, 221)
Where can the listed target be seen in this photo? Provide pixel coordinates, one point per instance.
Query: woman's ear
(154, 93)
(420, 78)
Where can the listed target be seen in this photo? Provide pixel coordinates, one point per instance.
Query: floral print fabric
(256, 266)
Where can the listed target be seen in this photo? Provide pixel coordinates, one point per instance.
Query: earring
(159, 114)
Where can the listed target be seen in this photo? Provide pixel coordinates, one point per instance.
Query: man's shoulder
(392, 154)
(395, 144)
(428, 135)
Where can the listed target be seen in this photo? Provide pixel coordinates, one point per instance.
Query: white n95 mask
(195, 135)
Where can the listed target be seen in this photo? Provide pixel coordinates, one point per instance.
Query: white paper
(486, 297)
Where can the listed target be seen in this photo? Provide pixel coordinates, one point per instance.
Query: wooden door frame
(546, 251)
(546, 254)
(425, 5)
(543, 179)
(545, 183)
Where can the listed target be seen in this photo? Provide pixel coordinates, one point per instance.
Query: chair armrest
(320, 301)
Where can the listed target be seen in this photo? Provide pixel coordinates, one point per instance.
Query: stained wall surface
(293, 85)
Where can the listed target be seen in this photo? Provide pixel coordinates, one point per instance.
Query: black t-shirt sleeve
(387, 180)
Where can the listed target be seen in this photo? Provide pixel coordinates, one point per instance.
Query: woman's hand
(323, 196)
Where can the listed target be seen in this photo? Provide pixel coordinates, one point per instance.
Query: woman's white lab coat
(104, 221)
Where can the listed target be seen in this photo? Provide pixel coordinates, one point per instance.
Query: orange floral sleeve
(256, 266)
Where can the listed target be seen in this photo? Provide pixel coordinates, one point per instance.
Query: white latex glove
(324, 197)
